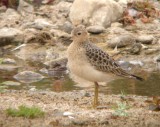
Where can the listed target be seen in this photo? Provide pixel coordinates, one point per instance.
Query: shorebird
(89, 62)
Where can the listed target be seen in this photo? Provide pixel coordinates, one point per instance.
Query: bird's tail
(138, 78)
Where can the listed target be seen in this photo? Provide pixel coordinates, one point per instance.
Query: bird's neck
(81, 41)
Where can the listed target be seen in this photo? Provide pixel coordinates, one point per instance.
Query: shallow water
(149, 87)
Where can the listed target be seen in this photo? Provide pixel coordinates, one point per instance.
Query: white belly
(87, 72)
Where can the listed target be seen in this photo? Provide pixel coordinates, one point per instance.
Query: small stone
(121, 41)
(44, 70)
(136, 48)
(67, 27)
(68, 114)
(28, 77)
(10, 35)
(56, 62)
(32, 89)
(145, 39)
(116, 24)
(95, 29)
(136, 62)
(8, 61)
(8, 67)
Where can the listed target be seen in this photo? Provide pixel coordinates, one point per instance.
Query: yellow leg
(95, 104)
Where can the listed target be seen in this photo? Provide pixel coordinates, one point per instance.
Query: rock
(63, 37)
(124, 64)
(145, 39)
(57, 68)
(8, 67)
(57, 72)
(25, 6)
(10, 35)
(11, 83)
(68, 114)
(128, 65)
(67, 27)
(121, 41)
(32, 52)
(43, 37)
(136, 62)
(57, 62)
(116, 24)
(10, 19)
(39, 23)
(63, 7)
(43, 70)
(32, 89)
(117, 30)
(97, 12)
(51, 54)
(95, 29)
(28, 77)
(8, 61)
(132, 12)
(136, 48)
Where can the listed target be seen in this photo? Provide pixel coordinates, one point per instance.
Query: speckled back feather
(103, 62)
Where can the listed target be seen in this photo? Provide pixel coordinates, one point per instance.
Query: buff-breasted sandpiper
(89, 62)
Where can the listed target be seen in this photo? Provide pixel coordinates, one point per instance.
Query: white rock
(97, 12)
(24, 6)
(44, 23)
(95, 29)
(9, 32)
(121, 41)
(68, 114)
(145, 39)
(136, 62)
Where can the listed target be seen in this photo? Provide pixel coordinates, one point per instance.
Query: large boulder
(95, 12)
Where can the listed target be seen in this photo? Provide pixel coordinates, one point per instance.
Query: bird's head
(79, 34)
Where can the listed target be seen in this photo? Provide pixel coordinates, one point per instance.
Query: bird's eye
(79, 33)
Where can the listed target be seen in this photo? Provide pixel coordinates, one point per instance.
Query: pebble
(95, 29)
(8, 61)
(136, 48)
(121, 41)
(28, 77)
(8, 67)
(145, 39)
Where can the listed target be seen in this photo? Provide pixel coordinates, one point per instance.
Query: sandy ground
(78, 104)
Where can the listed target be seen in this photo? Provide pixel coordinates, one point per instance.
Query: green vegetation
(1, 60)
(2, 89)
(121, 108)
(24, 111)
